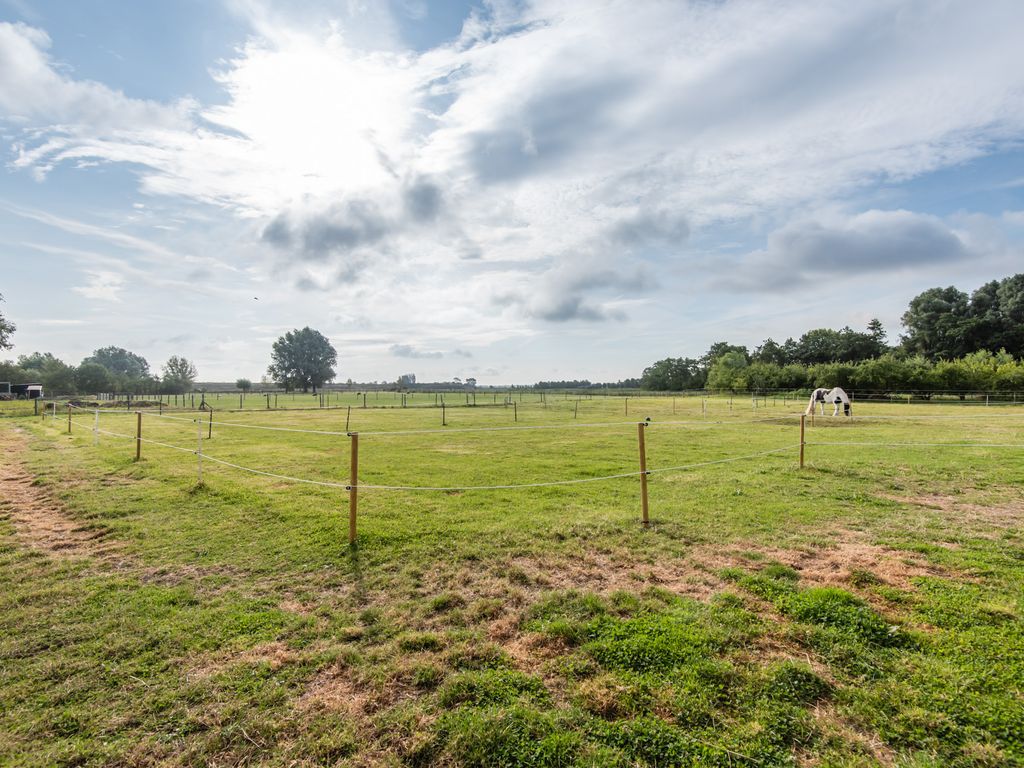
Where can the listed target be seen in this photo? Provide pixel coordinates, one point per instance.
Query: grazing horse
(835, 395)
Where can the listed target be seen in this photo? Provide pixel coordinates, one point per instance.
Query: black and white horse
(836, 395)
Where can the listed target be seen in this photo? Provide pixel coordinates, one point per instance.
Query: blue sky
(506, 190)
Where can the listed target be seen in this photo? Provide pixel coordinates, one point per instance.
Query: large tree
(302, 359)
(727, 371)
(92, 379)
(56, 376)
(179, 375)
(717, 350)
(120, 362)
(673, 373)
(938, 324)
(6, 329)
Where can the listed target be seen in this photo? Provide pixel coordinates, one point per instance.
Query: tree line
(952, 341)
(300, 359)
(110, 369)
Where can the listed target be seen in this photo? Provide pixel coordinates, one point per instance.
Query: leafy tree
(9, 371)
(6, 329)
(673, 373)
(55, 375)
(718, 349)
(36, 363)
(120, 362)
(92, 378)
(243, 385)
(58, 378)
(876, 331)
(1011, 310)
(129, 372)
(937, 322)
(770, 351)
(179, 375)
(302, 358)
(728, 370)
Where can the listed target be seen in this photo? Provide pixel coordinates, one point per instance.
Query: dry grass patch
(39, 520)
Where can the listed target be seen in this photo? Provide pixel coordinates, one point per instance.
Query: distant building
(26, 391)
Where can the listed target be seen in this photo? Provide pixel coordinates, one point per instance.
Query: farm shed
(26, 391)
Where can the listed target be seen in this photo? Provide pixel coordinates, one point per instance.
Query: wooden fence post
(640, 427)
(209, 435)
(353, 485)
(515, 412)
(348, 417)
(138, 435)
(69, 418)
(803, 418)
(444, 422)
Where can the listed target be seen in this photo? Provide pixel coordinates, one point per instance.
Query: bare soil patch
(961, 513)
(275, 654)
(40, 521)
(836, 561)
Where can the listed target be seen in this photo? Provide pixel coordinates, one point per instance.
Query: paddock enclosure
(548, 449)
(179, 588)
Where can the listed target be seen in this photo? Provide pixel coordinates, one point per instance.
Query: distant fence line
(89, 419)
(522, 394)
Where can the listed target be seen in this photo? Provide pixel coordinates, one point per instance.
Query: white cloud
(102, 286)
(861, 250)
(553, 164)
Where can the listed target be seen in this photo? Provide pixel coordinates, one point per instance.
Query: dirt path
(40, 521)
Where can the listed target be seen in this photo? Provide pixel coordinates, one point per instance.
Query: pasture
(865, 610)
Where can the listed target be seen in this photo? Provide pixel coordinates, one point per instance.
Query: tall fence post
(209, 435)
(803, 418)
(444, 422)
(640, 427)
(515, 412)
(138, 435)
(348, 417)
(199, 451)
(353, 486)
(69, 418)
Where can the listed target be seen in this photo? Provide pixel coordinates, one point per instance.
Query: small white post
(199, 450)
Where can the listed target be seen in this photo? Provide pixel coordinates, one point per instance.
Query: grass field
(866, 610)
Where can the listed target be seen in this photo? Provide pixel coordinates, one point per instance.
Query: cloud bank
(550, 167)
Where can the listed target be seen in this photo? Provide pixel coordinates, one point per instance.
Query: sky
(510, 191)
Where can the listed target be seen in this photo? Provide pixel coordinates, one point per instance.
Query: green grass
(230, 622)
